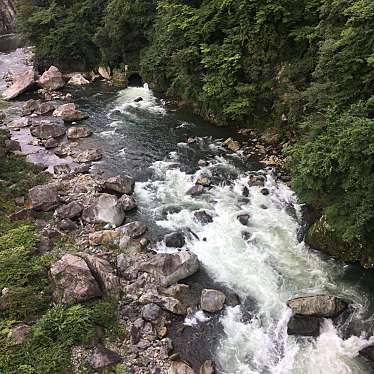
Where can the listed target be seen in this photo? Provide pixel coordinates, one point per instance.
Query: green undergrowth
(25, 294)
(48, 348)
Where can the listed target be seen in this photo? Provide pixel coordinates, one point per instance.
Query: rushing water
(264, 263)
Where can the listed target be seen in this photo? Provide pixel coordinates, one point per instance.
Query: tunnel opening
(135, 80)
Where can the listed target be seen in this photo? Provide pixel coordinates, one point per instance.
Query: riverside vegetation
(301, 65)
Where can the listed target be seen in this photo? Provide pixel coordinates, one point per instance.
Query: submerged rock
(304, 326)
(368, 353)
(52, 79)
(175, 240)
(195, 190)
(22, 82)
(212, 301)
(203, 217)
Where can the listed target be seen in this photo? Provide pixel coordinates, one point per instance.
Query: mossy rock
(323, 237)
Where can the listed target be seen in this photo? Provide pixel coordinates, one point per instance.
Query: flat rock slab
(23, 82)
(20, 123)
(46, 130)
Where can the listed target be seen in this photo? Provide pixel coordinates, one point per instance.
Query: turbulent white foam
(268, 269)
(126, 101)
(194, 320)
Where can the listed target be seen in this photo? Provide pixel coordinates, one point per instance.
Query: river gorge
(263, 261)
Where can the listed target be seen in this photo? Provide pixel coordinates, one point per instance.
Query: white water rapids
(265, 268)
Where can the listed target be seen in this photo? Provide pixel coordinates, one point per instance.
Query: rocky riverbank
(97, 253)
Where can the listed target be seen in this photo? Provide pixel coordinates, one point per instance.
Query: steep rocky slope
(7, 17)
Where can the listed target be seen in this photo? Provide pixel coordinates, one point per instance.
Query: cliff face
(7, 17)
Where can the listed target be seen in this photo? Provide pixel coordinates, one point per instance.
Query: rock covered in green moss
(323, 237)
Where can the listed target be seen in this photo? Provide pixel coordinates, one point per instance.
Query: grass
(54, 329)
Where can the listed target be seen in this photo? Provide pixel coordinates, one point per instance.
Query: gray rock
(51, 143)
(133, 229)
(73, 281)
(256, 181)
(19, 333)
(20, 123)
(46, 130)
(30, 107)
(172, 267)
(195, 190)
(212, 301)
(180, 367)
(22, 82)
(175, 240)
(203, 217)
(265, 191)
(244, 218)
(128, 202)
(12, 145)
(304, 326)
(78, 132)
(151, 312)
(43, 198)
(52, 79)
(207, 368)
(324, 306)
(67, 225)
(120, 184)
(69, 113)
(104, 358)
(368, 352)
(71, 210)
(107, 209)
(103, 274)
(88, 156)
(45, 108)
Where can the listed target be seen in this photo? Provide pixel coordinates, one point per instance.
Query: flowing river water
(264, 263)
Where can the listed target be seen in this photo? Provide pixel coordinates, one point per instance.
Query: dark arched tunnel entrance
(135, 80)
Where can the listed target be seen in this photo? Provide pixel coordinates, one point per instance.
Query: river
(264, 263)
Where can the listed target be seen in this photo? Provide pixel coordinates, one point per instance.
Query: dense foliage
(306, 64)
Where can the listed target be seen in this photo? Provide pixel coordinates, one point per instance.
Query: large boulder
(42, 198)
(52, 79)
(120, 184)
(73, 281)
(47, 130)
(212, 301)
(103, 358)
(172, 267)
(88, 155)
(308, 313)
(78, 132)
(107, 209)
(20, 123)
(104, 275)
(69, 113)
(180, 367)
(324, 306)
(22, 82)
